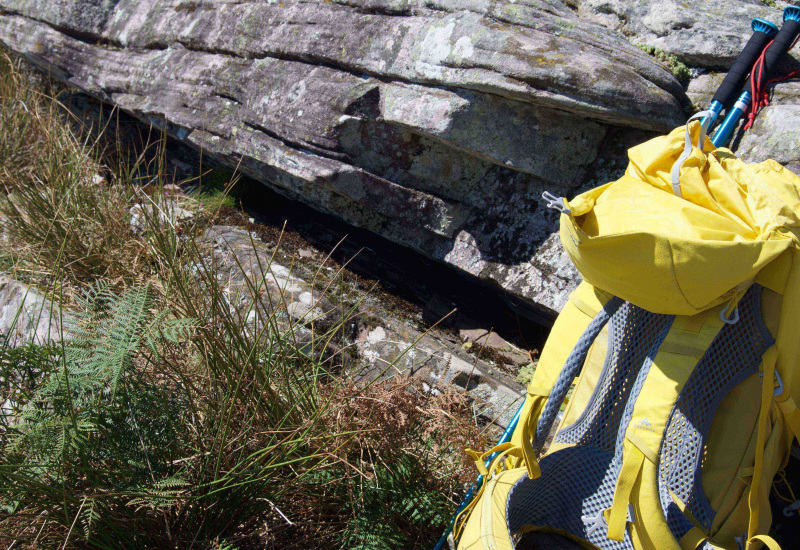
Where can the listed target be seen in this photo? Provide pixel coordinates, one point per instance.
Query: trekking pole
(781, 44)
(763, 30)
(505, 438)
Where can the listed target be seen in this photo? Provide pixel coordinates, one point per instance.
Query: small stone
(302, 312)
(376, 335)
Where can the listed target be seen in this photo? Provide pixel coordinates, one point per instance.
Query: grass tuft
(171, 412)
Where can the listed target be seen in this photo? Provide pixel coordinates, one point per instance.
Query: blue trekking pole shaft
(763, 30)
(505, 438)
(781, 44)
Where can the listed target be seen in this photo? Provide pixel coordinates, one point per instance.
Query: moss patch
(670, 61)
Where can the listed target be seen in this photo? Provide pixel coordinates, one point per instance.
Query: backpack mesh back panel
(577, 483)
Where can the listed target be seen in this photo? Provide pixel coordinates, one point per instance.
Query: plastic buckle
(595, 523)
(556, 203)
(779, 388)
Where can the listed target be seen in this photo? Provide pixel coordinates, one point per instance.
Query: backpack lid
(638, 240)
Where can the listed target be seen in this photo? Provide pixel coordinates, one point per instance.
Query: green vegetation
(670, 61)
(167, 416)
(525, 374)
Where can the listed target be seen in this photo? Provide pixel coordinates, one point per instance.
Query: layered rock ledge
(436, 124)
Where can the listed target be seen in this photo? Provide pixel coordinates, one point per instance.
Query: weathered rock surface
(701, 34)
(26, 317)
(437, 124)
(244, 265)
(774, 135)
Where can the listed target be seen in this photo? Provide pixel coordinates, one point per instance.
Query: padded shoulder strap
(572, 366)
(583, 306)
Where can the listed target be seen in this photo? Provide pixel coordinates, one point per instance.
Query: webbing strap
(759, 493)
(628, 475)
(523, 435)
(480, 458)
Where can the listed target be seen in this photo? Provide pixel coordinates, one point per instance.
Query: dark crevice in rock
(377, 10)
(300, 146)
(89, 38)
(222, 95)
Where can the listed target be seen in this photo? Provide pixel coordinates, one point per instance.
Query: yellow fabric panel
(730, 450)
(734, 513)
(635, 239)
(771, 303)
(788, 339)
(486, 527)
(776, 274)
(674, 362)
(570, 324)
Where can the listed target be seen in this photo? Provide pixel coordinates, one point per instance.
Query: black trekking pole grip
(782, 42)
(763, 30)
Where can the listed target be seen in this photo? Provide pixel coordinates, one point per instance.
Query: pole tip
(791, 13)
(762, 25)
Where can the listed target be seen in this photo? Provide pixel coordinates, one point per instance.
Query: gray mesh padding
(577, 483)
(733, 356)
(570, 370)
(632, 333)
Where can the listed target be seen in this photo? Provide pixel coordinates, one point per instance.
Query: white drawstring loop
(687, 149)
(556, 203)
(732, 320)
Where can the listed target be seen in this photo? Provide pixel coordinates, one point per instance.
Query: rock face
(774, 135)
(701, 34)
(437, 124)
(26, 317)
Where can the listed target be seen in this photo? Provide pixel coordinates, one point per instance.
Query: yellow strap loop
(502, 451)
(693, 538)
(523, 435)
(632, 461)
(477, 458)
(770, 543)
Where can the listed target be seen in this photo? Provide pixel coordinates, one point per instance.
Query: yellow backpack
(681, 346)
